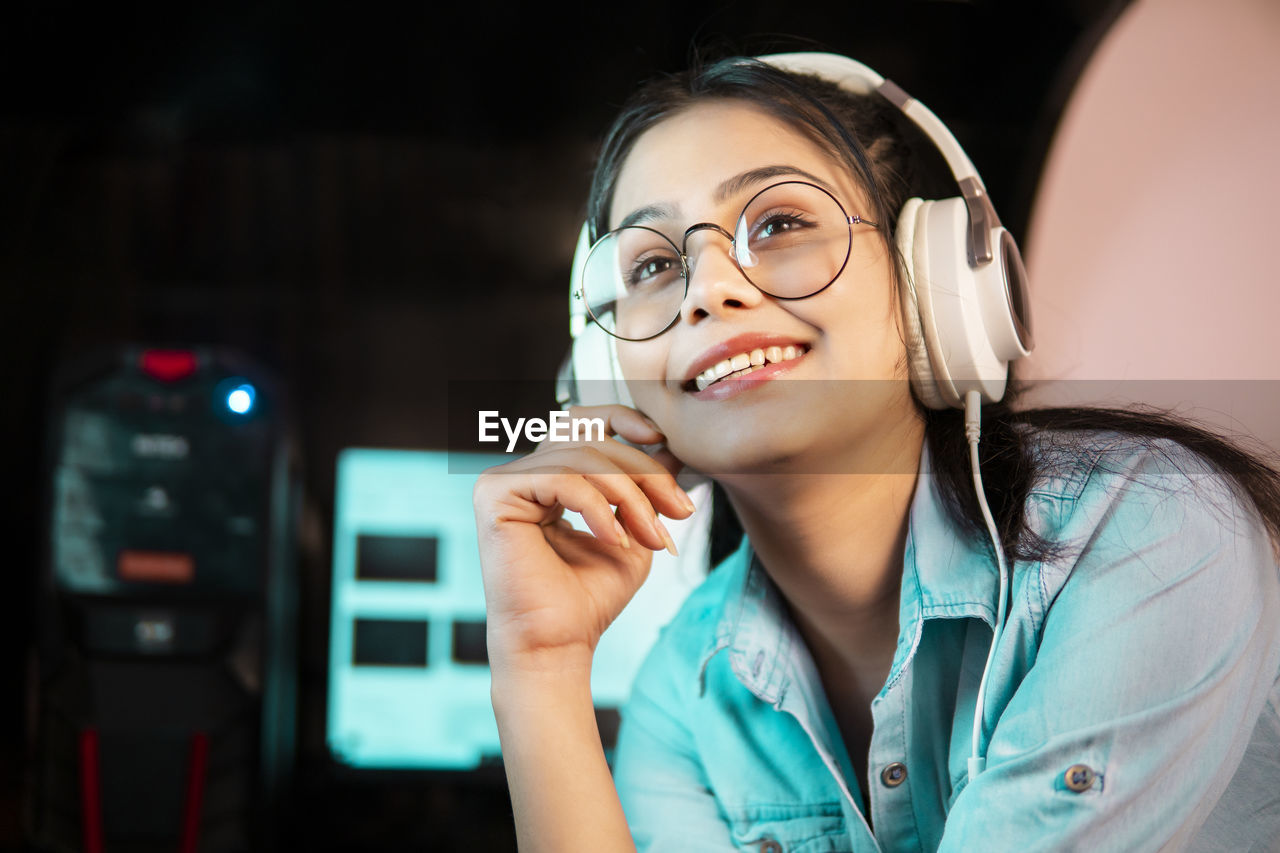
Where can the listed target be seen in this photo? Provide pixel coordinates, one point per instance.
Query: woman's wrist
(562, 793)
(525, 677)
(509, 656)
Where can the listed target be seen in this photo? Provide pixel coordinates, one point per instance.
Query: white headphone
(964, 297)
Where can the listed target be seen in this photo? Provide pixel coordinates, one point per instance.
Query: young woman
(1086, 654)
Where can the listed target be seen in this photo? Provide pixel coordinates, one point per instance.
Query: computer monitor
(408, 674)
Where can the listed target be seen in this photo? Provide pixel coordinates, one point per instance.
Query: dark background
(372, 200)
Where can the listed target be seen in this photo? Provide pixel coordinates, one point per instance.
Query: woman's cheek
(649, 400)
(643, 374)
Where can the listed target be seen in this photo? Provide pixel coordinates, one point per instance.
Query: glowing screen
(408, 677)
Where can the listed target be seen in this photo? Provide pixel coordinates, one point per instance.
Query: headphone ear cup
(968, 313)
(919, 366)
(590, 375)
(597, 376)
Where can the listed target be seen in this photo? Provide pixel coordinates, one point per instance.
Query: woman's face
(848, 346)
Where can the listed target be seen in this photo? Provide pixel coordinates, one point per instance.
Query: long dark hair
(893, 161)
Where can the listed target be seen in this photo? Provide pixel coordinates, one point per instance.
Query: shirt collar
(954, 573)
(946, 574)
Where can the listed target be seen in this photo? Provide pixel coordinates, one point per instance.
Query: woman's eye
(779, 224)
(647, 270)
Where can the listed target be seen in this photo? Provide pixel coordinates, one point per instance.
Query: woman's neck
(834, 545)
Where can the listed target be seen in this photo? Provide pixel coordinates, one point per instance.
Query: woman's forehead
(691, 164)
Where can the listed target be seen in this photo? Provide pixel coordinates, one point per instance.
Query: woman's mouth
(743, 364)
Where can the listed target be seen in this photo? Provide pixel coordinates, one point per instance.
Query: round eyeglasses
(791, 240)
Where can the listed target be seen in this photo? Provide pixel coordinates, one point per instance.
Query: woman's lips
(740, 346)
(744, 379)
(745, 363)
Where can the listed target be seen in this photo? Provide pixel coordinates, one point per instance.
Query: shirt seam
(915, 637)
(724, 631)
(1072, 499)
(911, 801)
(824, 808)
(1075, 484)
(957, 610)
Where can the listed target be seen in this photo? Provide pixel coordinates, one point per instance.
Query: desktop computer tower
(163, 692)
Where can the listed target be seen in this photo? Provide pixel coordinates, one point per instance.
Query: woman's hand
(551, 590)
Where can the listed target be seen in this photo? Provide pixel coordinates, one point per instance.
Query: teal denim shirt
(1133, 704)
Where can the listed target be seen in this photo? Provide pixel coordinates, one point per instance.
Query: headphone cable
(972, 432)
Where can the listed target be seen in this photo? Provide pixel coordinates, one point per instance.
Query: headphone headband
(853, 76)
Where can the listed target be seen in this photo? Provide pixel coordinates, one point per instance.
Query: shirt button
(1079, 777)
(894, 774)
(770, 846)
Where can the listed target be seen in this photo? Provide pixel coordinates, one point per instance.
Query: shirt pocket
(789, 828)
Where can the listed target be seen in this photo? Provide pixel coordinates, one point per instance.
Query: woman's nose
(716, 285)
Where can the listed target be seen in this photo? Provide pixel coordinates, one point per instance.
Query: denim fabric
(1147, 650)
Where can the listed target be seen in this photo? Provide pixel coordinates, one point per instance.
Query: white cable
(972, 431)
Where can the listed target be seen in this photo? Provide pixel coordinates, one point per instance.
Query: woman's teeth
(743, 363)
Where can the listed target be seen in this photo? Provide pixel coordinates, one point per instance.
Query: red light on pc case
(168, 365)
(155, 567)
(90, 792)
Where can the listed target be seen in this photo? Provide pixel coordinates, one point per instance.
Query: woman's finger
(667, 460)
(554, 515)
(563, 488)
(610, 458)
(622, 421)
(541, 495)
(630, 493)
(636, 511)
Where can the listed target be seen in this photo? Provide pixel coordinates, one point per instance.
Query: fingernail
(623, 540)
(666, 536)
(654, 426)
(685, 499)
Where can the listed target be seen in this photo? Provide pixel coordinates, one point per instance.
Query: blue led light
(240, 399)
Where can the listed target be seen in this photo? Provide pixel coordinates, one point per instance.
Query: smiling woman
(827, 299)
(947, 625)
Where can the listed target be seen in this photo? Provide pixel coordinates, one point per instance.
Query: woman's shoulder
(1104, 466)
(1149, 507)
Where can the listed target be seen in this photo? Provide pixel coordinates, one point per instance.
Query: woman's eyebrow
(732, 186)
(649, 213)
(725, 191)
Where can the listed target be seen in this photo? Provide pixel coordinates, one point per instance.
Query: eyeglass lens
(791, 241)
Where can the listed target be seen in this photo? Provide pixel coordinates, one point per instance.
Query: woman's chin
(734, 455)
(835, 443)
